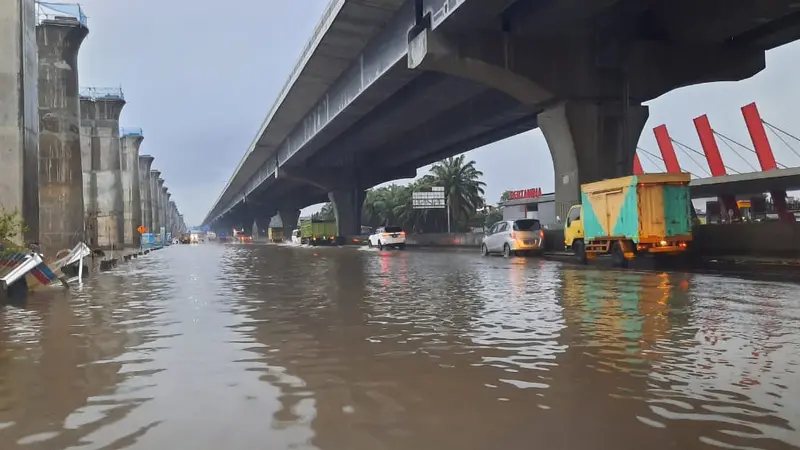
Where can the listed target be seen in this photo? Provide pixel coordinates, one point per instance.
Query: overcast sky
(200, 76)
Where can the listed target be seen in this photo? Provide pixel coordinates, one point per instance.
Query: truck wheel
(579, 249)
(618, 256)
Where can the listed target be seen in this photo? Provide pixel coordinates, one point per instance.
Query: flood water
(213, 346)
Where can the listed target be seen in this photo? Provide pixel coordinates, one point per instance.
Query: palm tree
(462, 185)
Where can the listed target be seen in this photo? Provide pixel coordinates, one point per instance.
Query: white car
(388, 237)
(296, 237)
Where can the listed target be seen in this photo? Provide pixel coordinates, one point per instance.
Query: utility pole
(447, 202)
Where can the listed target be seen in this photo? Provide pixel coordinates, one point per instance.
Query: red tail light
(402, 233)
(541, 234)
(513, 235)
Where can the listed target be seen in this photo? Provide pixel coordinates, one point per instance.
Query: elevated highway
(387, 86)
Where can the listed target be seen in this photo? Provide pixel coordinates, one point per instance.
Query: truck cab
(573, 229)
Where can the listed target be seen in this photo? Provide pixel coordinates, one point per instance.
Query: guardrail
(126, 131)
(59, 12)
(96, 93)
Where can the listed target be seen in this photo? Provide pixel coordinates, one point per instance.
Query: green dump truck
(318, 232)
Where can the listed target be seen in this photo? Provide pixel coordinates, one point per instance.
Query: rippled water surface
(215, 346)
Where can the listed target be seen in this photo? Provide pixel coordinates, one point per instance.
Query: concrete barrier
(767, 239)
(445, 239)
(554, 240)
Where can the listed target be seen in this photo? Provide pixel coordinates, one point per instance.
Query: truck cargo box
(318, 230)
(644, 208)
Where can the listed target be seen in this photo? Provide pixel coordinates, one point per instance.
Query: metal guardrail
(126, 131)
(97, 93)
(60, 12)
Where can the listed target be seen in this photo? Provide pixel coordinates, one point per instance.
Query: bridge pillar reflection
(590, 141)
(347, 206)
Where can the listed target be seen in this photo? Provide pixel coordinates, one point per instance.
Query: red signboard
(525, 193)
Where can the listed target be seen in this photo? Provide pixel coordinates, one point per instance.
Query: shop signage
(525, 193)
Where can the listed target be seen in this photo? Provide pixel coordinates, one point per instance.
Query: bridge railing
(130, 131)
(96, 93)
(59, 12)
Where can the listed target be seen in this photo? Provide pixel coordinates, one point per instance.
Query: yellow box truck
(624, 217)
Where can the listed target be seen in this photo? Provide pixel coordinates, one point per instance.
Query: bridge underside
(489, 69)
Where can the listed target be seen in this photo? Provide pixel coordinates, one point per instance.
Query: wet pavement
(218, 346)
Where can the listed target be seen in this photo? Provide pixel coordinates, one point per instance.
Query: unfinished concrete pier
(100, 111)
(145, 163)
(61, 208)
(131, 197)
(165, 208)
(155, 195)
(19, 116)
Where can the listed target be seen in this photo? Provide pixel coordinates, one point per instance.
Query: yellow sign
(141, 229)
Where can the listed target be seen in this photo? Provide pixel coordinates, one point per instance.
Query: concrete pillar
(89, 165)
(289, 218)
(105, 181)
(173, 219)
(590, 141)
(155, 194)
(145, 163)
(165, 208)
(19, 121)
(61, 209)
(160, 195)
(131, 197)
(347, 205)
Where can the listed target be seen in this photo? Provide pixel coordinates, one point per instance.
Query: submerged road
(214, 346)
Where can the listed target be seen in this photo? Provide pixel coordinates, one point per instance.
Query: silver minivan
(514, 237)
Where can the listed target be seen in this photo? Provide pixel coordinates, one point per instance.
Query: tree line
(462, 184)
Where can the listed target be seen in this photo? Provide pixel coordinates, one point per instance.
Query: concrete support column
(19, 121)
(590, 141)
(61, 209)
(131, 192)
(347, 205)
(145, 163)
(155, 193)
(160, 205)
(289, 218)
(105, 153)
(171, 214)
(165, 196)
(89, 166)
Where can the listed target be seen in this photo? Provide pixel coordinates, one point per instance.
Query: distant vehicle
(388, 237)
(211, 236)
(318, 232)
(296, 236)
(632, 215)
(275, 234)
(186, 238)
(514, 237)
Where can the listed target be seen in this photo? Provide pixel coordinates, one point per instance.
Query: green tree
(11, 226)
(504, 197)
(326, 213)
(463, 188)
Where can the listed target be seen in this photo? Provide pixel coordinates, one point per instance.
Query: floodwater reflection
(248, 346)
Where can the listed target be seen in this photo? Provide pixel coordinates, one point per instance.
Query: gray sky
(200, 76)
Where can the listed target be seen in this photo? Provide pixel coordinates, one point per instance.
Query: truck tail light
(541, 234)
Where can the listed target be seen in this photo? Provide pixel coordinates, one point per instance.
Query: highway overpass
(387, 86)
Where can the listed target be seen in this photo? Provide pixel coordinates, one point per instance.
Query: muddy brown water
(218, 346)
